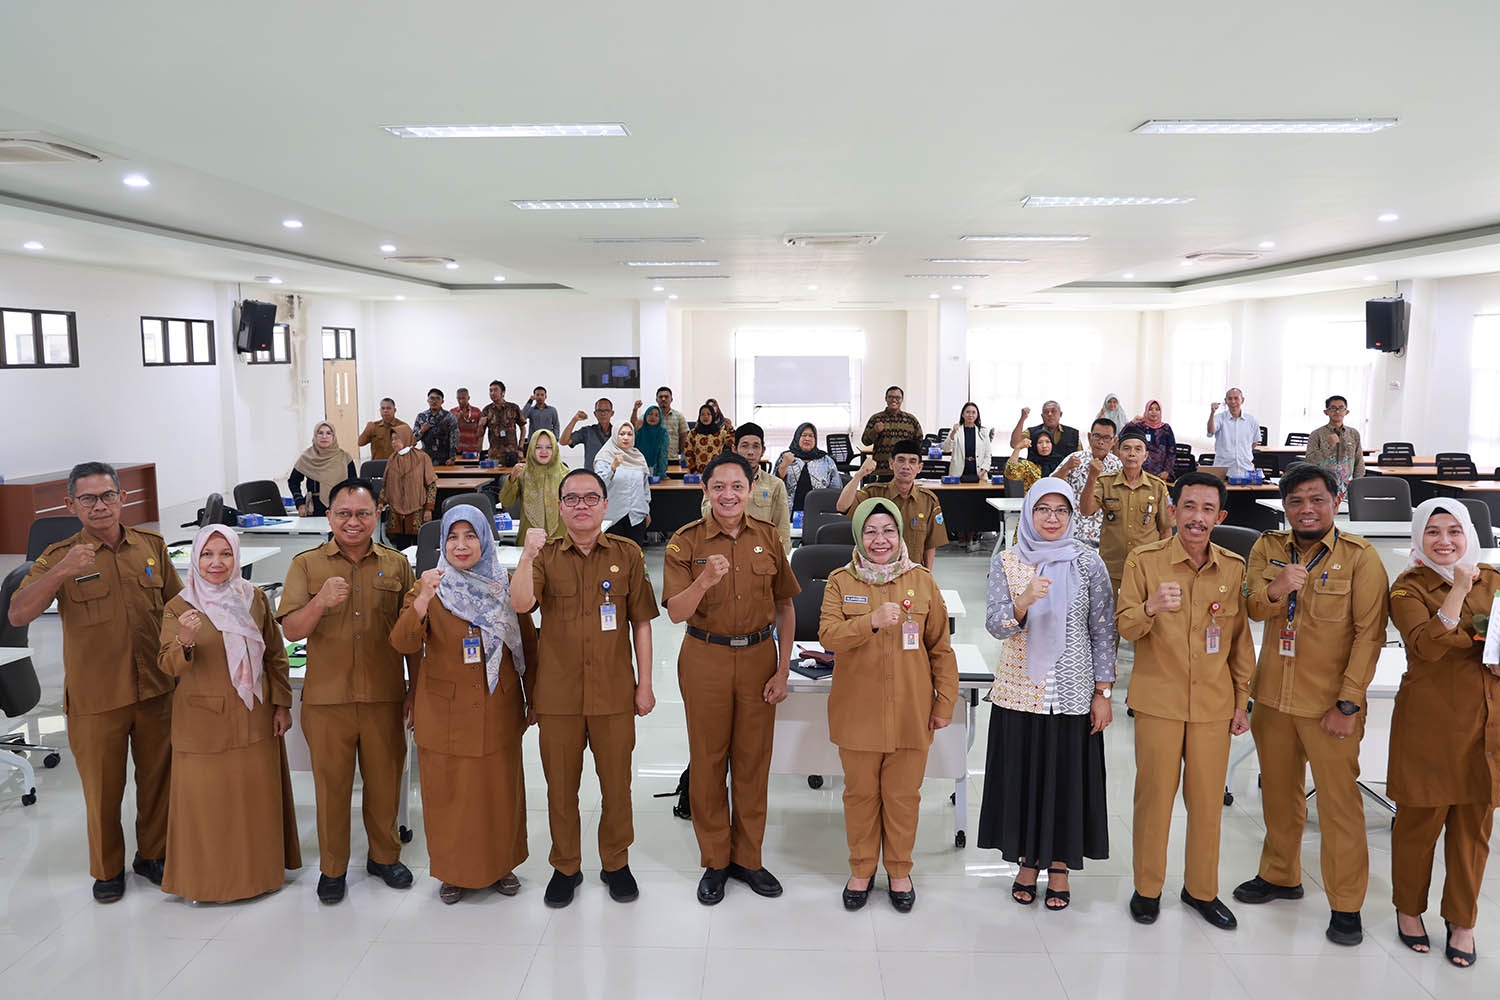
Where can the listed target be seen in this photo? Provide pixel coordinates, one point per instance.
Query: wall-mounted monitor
(611, 373)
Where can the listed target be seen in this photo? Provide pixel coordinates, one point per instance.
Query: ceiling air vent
(1221, 256)
(40, 148)
(425, 261)
(831, 241)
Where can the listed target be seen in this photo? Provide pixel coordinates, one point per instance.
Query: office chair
(811, 565)
(1235, 538)
(817, 507)
(212, 513)
(1456, 465)
(1297, 440)
(1396, 453)
(1265, 436)
(835, 531)
(47, 531)
(1186, 450)
(483, 501)
(1479, 513)
(19, 692)
(1205, 459)
(1183, 465)
(841, 449)
(259, 496)
(808, 607)
(1379, 498)
(373, 469)
(428, 544)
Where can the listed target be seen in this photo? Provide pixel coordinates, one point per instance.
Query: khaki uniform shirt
(111, 622)
(377, 434)
(883, 695)
(1133, 516)
(1340, 623)
(1175, 676)
(582, 669)
(349, 654)
(768, 503)
(744, 601)
(921, 516)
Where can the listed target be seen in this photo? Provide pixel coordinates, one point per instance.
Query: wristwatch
(1104, 692)
(1346, 707)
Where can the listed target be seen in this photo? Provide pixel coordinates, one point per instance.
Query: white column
(651, 342)
(952, 361)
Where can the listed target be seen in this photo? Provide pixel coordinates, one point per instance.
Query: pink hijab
(227, 606)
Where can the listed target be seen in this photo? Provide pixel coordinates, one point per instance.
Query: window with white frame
(1199, 375)
(1324, 357)
(824, 389)
(1011, 368)
(1484, 401)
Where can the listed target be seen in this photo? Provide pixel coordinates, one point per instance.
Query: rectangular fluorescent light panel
(1097, 200)
(576, 204)
(1263, 126)
(585, 131)
(670, 263)
(686, 277)
(947, 277)
(1026, 238)
(626, 240)
(978, 260)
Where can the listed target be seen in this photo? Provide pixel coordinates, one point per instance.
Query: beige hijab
(325, 466)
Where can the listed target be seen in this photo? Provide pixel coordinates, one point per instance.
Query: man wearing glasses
(110, 583)
(343, 597)
(597, 605)
(1075, 469)
(594, 435)
(889, 426)
(1335, 447)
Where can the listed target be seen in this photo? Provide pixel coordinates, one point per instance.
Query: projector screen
(802, 380)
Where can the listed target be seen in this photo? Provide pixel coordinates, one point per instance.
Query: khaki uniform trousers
(1466, 847)
(99, 743)
(882, 797)
(1286, 744)
(371, 733)
(612, 740)
(730, 729)
(1197, 754)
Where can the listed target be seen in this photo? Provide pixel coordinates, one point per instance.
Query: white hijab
(1419, 519)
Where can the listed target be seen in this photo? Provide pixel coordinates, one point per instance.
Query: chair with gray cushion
(428, 543)
(811, 565)
(47, 531)
(818, 507)
(260, 496)
(483, 501)
(19, 692)
(1479, 513)
(836, 531)
(1379, 498)
(1235, 538)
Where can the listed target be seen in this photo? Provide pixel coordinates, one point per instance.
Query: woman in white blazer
(969, 439)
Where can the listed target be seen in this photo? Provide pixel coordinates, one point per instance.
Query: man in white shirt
(1236, 434)
(1075, 469)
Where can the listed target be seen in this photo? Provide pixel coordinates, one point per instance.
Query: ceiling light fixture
(658, 288)
(812, 288)
(273, 281)
(136, 181)
(623, 240)
(933, 295)
(576, 204)
(958, 288)
(946, 277)
(32, 245)
(553, 131)
(1024, 238)
(1128, 275)
(670, 263)
(978, 260)
(499, 277)
(672, 296)
(1100, 200)
(1372, 277)
(401, 298)
(1263, 126)
(387, 248)
(291, 223)
(1387, 217)
(1267, 244)
(452, 265)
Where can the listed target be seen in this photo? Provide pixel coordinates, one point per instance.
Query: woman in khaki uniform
(231, 827)
(470, 709)
(1444, 774)
(894, 686)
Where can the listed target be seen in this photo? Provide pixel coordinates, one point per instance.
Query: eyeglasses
(587, 499)
(1100, 437)
(352, 515)
(89, 500)
(1045, 512)
(1338, 409)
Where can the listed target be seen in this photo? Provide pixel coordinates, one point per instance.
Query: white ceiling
(922, 123)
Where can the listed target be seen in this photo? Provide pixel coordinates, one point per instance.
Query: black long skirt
(1044, 789)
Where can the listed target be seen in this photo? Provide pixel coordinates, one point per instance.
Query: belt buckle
(736, 641)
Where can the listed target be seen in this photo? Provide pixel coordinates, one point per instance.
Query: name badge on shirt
(856, 599)
(1288, 645)
(473, 651)
(1212, 645)
(607, 618)
(911, 634)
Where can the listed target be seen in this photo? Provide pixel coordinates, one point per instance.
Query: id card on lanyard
(1287, 646)
(911, 632)
(473, 646)
(607, 621)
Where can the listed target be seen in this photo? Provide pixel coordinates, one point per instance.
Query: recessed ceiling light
(137, 181)
(658, 288)
(812, 288)
(499, 277)
(292, 223)
(1026, 238)
(1263, 126)
(1372, 277)
(1387, 217)
(401, 298)
(387, 248)
(273, 281)
(554, 131)
(1189, 263)
(672, 296)
(1128, 275)
(575, 204)
(1267, 244)
(946, 277)
(452, 265)
(933, 295)
(623, 240)
(670, 263)
(32, 245)
(1100, 200)
(978, 260)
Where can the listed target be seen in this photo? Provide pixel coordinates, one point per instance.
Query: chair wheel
(682, 812)
(814, 781)
(52, 760)
(953, 798)
(960, 839)
(29, 799)
(405, 834)
(1229, 798)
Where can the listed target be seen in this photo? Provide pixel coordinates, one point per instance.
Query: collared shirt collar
(602, 538)
(1328, 540)
(715, 528)
(331, 549)
(1180, 554)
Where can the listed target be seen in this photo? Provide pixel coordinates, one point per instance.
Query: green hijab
(539, 487)
(651, 441)
(861, 566)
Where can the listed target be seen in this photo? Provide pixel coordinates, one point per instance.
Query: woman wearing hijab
(1161, 443)
(1112, 410)
(469, 712)
(320, 467)
(719, 415)
(710, 436)
(651, 440)
(231, 827)
(805, 467)
(624, 470)
(895, 685)
(1050, 601)
(534, 483)
(408, 491)
(1445, 731)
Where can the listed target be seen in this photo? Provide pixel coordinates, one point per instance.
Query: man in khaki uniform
(728, 579)
(110, 583)
(767, 491)
(1134, 502)
(344, 597)
(921, 513)
(590, 586)
(1181, 604)
(1322, 594)
(377, 433)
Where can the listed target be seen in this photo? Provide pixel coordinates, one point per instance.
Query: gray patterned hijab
(481, 595)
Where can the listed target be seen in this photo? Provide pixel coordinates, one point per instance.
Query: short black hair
(356, 483)
(603, 489)
(462, 389)
(1329, 401)
(1305, 472)
(499, 383)
(1196, 478)
(749, 430)
(910, 446)
(1113, 427)
(540, 388)
(895, 388)
(387, 399)
(1129, 435)
(85, 469)
(435, 389)
(663, 388)
(724, 458)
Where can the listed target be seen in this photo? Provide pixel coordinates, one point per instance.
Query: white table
(1279, 506)
(1006, 506)
(249, 556)
(1364, 529)
(292, 525)
(955, 603)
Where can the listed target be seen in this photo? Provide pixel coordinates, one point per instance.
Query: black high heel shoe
(903, 901)
(1065, 895)
(1018, 887)
(1455, 957)
(855, 899)
(1418, 943)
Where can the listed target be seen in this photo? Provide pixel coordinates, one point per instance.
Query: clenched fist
(79, 560)
(716, 569)
(535, 539)
(886, 615)
(430, 580)
(866, 468)
(1168, 597)
(334, 591)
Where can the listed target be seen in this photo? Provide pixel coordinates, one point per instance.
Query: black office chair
(808, 607)
(1479, 513)
(1235, 538)
(1296, 440)
(1183, 465)
(817, 507)
(1396, 453)
(836, 531)
(1185, 450)
(373, 469)
(259, 496)
(1265, 437)
(1379, 498)
(841, 449)
(212, 513)
(19, 692)
(816, 562)
(428, 544)
(1267, 463)
(47, 531)
(483, 501)
(1207, 458)
(1456, 465)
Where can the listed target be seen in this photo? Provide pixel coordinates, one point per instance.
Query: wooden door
(341, 404)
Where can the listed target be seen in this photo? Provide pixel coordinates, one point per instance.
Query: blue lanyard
(1291, 601)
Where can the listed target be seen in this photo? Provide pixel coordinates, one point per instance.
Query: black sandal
(1455, 957)
(1065, 895)
(1018, 887)
(1418, 943)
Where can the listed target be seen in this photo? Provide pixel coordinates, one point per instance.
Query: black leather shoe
(396, 875)
(331, 890)
(1212, 910)
(1144, 909)
(762, 882)
(622, 887)
(903, 901)
(1345, 928)
(711, 886)
(1258, 890)
(109, 890)
(151, 871)
(560, 889)
(855, 899)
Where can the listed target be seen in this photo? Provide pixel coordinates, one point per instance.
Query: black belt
(737, 641)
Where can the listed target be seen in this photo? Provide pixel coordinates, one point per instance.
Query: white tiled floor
(966, 937)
